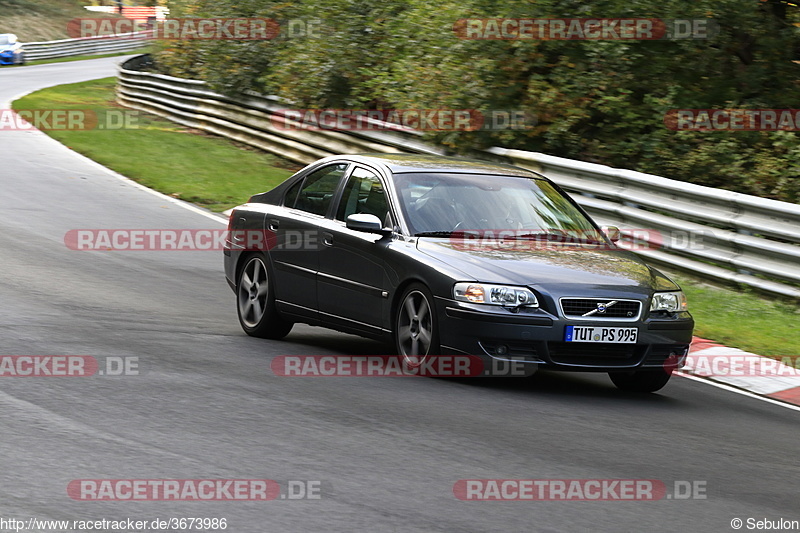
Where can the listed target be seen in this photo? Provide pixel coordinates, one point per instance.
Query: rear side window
(314, 194)
(291, 195)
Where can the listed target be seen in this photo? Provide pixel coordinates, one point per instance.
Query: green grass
(743, 319)
(210, 171)
(143, 50)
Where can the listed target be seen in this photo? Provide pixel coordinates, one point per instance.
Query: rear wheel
(641, 380)
(255, 301)
(415, 326)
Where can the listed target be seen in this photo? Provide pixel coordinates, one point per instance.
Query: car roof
(419, 163)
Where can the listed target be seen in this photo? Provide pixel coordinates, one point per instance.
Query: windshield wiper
(556, 237)
(434, 234)
(541, 236)
(526, 236)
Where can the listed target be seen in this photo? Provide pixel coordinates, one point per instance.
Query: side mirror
(612, 232)
(367, 223)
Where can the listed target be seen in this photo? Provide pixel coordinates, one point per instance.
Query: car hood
(555, 268)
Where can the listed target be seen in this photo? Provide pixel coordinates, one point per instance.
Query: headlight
(483, 293)
(668, 301)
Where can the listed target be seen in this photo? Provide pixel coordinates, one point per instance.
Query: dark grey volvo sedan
(449, 256)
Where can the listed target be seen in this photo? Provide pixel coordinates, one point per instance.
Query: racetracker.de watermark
(402, 119)
(577, 490)
(742, 365)
(375, 366)
(391, 366)
(732, 119)
(203, 240)
(68, 119)
(225, 29)
(583, 29)
(198, 490)
(529, 240)
(73, 366)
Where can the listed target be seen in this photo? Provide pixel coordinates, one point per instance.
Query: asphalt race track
(382, 454)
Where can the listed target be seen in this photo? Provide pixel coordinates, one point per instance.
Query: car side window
(364, 193)
(290, 199)
(317, 190)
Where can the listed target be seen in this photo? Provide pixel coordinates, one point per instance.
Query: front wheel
(255, 301)
(416, 326)
(641, 380)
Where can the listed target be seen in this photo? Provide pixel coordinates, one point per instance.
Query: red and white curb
(764, 376)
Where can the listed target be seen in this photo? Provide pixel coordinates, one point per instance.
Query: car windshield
(4, 40)
(437, 205)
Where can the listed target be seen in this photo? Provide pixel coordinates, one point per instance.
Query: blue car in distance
(11, 51)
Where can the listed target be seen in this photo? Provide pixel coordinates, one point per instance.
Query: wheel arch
(398, 294)
(241, 261)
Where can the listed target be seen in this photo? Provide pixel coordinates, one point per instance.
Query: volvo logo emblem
(601, 308)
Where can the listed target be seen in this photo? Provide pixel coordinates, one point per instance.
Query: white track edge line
(743, 392)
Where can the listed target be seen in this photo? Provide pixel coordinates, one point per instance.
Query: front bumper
(536, 338)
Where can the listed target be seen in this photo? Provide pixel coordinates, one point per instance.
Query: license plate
(601, 334)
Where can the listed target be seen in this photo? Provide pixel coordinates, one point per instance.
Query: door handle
(327, 238)
(273, 224)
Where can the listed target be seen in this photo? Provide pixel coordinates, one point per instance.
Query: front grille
(595, 354)
(578, 307)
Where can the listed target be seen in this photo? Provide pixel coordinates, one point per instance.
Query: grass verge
(207, 170)
(143, 50)
(218, 174)
(743, 319)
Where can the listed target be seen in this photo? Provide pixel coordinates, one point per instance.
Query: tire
(255, 301)
(416, 327)
(641, 380)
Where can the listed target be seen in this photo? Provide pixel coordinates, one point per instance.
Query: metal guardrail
(88, 45)
(720, 234)
(251, 119)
